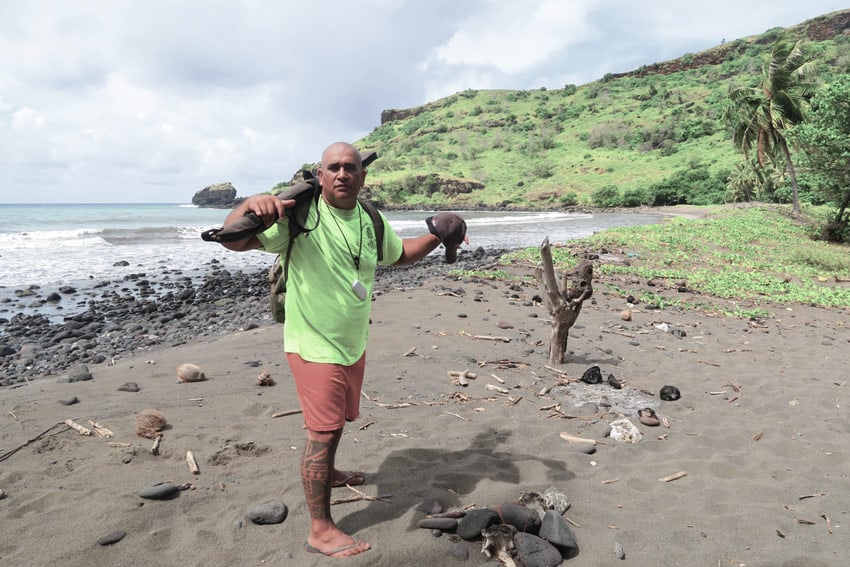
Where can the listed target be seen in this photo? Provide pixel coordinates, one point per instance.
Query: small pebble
(129, 387)
(113, 537)
(69, 401)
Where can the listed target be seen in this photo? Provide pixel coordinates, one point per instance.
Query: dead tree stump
(564, 302)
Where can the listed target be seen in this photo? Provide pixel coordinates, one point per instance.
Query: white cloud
(116, 101)
(27, 119)
(513, 37)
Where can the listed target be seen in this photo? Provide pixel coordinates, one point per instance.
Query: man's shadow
(415, 475)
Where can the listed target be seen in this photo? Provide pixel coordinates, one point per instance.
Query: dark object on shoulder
(250, 224)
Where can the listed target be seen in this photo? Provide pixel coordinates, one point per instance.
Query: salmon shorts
(329, 393)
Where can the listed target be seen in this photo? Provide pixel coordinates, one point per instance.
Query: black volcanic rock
(220, 195)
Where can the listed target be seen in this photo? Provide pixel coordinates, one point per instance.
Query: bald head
(341, 175)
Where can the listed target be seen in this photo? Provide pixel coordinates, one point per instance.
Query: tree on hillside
(825, 142)
(761, 115)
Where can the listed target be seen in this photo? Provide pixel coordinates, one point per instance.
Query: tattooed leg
(317, 466)
(317, 471)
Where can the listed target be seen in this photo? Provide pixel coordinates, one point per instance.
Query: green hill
(624, 133)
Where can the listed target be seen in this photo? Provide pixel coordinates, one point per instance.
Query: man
(328, 301)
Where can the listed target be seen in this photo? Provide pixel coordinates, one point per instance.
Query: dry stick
(193, 464)
(287, 412)
(621, 333)
(44, 433)
(77, 427)
(117, 444)
(465, 373)
(491, 338)
(674, 476)
(494, 388)
(709, 363)
(410, 352)
(360, 496)
(828, 522)
(101, 431)
(155, 447)
(497, 379)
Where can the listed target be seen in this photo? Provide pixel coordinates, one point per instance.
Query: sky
(122, 101)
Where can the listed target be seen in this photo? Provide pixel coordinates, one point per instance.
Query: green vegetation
(746, 257)
(761, 115)
(825, 142)
(654, 136)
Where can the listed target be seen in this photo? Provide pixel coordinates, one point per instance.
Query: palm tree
(759, 116)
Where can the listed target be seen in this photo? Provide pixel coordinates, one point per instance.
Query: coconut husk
(190, 373)
(149, 423)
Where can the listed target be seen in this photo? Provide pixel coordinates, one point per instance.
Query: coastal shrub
(634, 197)
(607, 196)
(569, 199)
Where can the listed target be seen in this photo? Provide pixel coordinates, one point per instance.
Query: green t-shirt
(325, 319)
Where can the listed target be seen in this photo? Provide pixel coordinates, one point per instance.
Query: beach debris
(188, 372)
(193, 464)
(491, 338)
(626, 315)
(674, 476)
(77, 427)
(737, 388)
(112, 537)
(619, 552)
(265, 379)
(499, 543)
(669, 393)
(497, 379)
(461, 378)
(576, 439)
(758, 435)
(155, 446)
(828, 522)
(129, 387)
(615, 382)
(563, 302)
(410, 352)
(2, 494)
(287, 412)
(69, 401)
(268, 513)
(648, 417)
(149, 423)
(101, 431)
(360, 495)
(592, 375)
(498, 389)
(624, 431)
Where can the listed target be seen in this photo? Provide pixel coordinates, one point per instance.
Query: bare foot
(355, 548)
(351, 478)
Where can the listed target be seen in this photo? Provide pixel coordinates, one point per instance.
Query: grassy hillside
(554, 148)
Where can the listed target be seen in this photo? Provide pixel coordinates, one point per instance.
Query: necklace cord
(355, 259)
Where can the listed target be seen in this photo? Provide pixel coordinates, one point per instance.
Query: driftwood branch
(564, 302)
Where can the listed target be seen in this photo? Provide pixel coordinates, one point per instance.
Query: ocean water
(53, 245)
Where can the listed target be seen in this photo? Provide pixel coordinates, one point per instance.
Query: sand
(760, 431)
